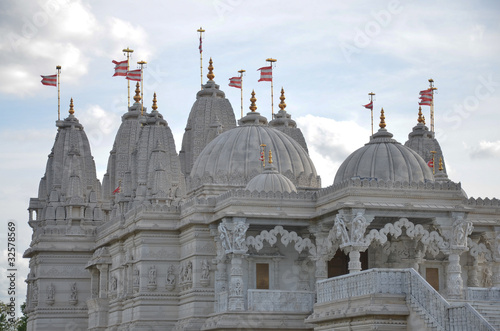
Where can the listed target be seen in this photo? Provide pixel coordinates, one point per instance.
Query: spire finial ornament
(155, 107)
(440, 164)
(137, 96)
(253, 106)
(420, 118)
(210, 74)
(282, 104)
(270, 157)
(423, 119)
(382, 119)
(71, 110)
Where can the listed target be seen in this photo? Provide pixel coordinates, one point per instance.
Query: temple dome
(232, 158)
(271, 181)
(383, 158)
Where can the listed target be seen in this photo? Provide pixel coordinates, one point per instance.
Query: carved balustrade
(419, 295)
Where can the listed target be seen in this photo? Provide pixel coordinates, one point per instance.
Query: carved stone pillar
(94, 283)
(236, 286)
(220, 275)
(454, 282)
(103, 280)
(232, 236)
(321, 269)
(473, 280)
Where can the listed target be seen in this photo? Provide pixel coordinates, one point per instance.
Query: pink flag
(235, 82)
(425, 103)
(199, 47)
(120, 68)
(369, 105)
(266, 74)
(134, 75)
(49, 80)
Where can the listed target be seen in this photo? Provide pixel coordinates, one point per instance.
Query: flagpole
(371, 94)
(432, 88)
(58, 68)
(128, 51)
(241, 76)
(271, 61)
(200, 30)
(142, 63)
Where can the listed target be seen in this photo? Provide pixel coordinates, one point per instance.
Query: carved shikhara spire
(137, 96)
(71, 110)
(382, 119)
(420, 118)
(155, 107)
(210, 74)
(282, 104)
(253, 106)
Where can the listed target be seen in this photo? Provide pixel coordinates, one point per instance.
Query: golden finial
(155, 107)
(71, 110)
(253, 106)
(382, 119)
(210, 74)
(270, 157)
(137, 96)
(420, 118)
(423, 119)
(282, 98)
(440, 164)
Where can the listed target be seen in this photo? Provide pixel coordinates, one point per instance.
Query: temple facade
(236, 232)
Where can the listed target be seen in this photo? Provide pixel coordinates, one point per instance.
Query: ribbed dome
(233, 157)
(271, 181)
(385, 159)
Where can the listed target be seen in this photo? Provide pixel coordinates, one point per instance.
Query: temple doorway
(339, 264)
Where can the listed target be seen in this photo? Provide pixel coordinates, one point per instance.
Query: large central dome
(233, 157)
(383, 158)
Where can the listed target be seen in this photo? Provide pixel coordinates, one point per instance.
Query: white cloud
(485, 150)
(330, 142)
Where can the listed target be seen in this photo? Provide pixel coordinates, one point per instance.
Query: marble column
(103, 280)
(454, 282)
(236, 286)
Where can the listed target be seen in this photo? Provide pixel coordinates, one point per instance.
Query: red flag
(120, 68)
(430, 164)
(425, 103)
(261, 156)
(235, 82)
(369, 105)
(117, 190)
(134, 75)
(426, 92)
(49, 80)
(199, 47)
(266, 74)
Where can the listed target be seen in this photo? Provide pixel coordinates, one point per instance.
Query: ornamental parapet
(382, 184)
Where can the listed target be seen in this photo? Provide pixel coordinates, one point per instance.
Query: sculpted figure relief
(205, 270)
(74, 292)
(51, 292)
(171, 275)
(152, 275)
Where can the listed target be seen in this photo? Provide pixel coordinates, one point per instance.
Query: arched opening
(339, 264)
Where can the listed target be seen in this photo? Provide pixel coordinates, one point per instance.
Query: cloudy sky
(330, 54)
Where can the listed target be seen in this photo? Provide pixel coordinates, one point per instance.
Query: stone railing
(220, 302)
(362, 283)
(419, 294)
(466, 318)
(280, 301)
(482, 294)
